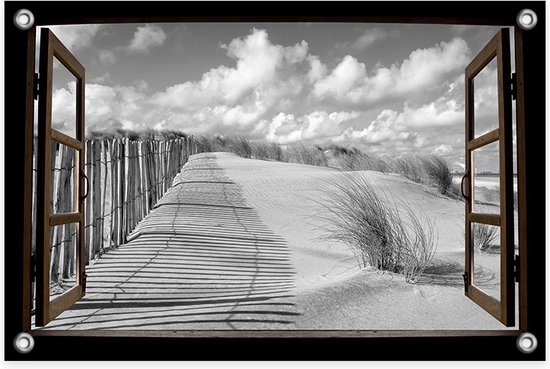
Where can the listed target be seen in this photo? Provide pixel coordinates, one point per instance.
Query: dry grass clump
(356, 161)
(239, 144)
(263, 149)
(342, 150)
(172, 134)
(438, 172)
(379, 233)
(266, 150)
(432, 170)
(206, 144)
(303, 154)
(410, 166)
(454, 191)
(485, 237)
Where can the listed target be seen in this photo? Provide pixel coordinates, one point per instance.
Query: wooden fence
(126, 179)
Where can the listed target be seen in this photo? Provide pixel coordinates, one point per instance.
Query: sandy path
(202, 259)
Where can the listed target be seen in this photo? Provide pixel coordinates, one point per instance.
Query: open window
(64, 221)
(449, 344)
(488, 134)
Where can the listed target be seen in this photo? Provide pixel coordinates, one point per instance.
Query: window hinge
(465, 276)
(36, 86)
(514, 86)
(516, 268)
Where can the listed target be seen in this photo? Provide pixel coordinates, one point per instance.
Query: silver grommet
(527, 343)
(23, 343)
(527, 19)
(23, 19)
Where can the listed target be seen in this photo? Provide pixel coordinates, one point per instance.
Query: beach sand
(332, 291)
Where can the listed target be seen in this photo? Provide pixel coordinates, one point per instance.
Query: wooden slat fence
(126, 179)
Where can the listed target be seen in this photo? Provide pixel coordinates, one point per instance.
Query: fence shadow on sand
(202, 259)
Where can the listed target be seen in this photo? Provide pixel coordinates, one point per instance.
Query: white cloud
(106, 57)
(318, 126)
(386, 126)
(106, 107)
(103, 79)
(435, 114)
(76, 37)
(423, 70)
(64, 108)
(258, 62)
(391, 125)
(264, 79)
(322, 125)
(145, 38)
(342, 79)
(317, 69)
(443, 149)
(368, 38)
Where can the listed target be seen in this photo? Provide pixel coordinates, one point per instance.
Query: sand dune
(236, 244)
(332, 292)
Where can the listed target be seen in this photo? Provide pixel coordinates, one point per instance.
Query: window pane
(63, 185)
(486, 167)
(63, 242)
(486, 241)
(63, 100)
(486, 100)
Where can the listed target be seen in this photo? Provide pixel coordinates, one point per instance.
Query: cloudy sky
(381, 88)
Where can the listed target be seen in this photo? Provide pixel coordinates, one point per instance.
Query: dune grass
(264, 149)
(240, 145)
(485, 237)
(304, 154)
(384, 233)
(410, 166)
(431, 170)
(237, 144)
(136, 135)
(438, 172)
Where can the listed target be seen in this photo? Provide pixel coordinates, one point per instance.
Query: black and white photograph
(276, 177)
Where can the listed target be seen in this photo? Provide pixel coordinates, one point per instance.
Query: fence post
(130, 190)
(168, 164)
(53, 192)
(66, 204)
(139, 215)
(104, 148)
(132, 180)
(148, 166)
(113, 157)
(89, 213)
(137, 185)
(143, 166)
(57, 192)
(97, 198)
(156, 170)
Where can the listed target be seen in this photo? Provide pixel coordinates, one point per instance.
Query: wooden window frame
(502, 309)
(47, 310)
(359, 345)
